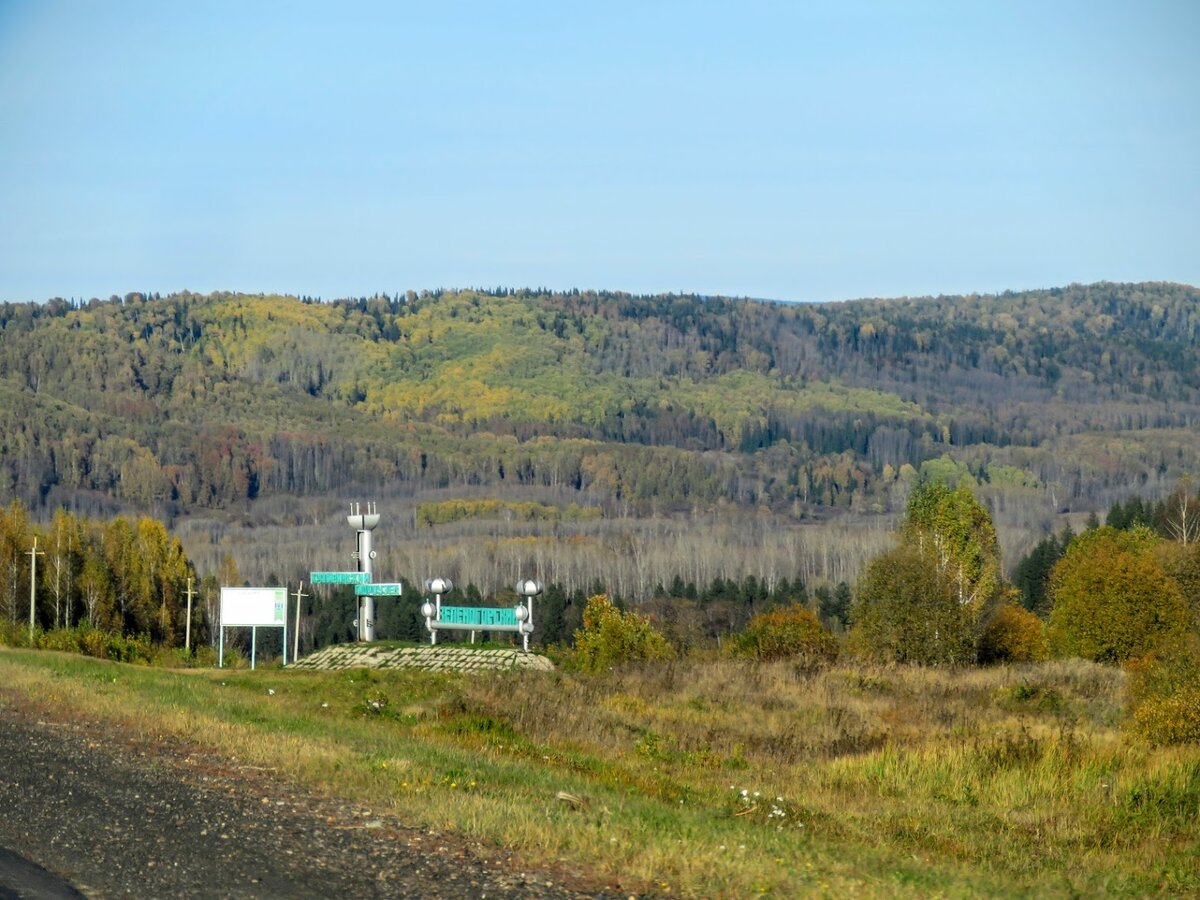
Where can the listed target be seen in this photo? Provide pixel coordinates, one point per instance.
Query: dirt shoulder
(115, 817)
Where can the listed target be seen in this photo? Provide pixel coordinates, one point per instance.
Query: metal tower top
(360, 520)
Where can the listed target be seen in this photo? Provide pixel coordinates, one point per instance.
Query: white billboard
(251, 606)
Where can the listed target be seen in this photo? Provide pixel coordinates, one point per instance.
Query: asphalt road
(22, 880)
(87, 804)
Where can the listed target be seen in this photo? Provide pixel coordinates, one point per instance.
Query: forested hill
(599, 399)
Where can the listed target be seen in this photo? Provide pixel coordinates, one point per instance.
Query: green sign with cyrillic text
(340, 577)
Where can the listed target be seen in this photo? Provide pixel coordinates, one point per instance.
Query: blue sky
(793, 151)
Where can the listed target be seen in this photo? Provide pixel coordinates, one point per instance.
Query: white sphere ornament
(528, 587)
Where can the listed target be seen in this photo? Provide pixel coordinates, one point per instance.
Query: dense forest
(593, 436)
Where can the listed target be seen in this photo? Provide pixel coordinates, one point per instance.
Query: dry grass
(718, 777)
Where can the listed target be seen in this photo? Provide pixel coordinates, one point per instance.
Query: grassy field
(712, 778)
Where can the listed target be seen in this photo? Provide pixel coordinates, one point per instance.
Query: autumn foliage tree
(1182, 563)
(1112, 600)
(1164, 693)
(958, 530)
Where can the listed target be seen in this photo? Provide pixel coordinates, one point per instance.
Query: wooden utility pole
(187, 630)
(33, 555)
(299, 595)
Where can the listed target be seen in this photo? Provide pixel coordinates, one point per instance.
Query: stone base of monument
(433, 659)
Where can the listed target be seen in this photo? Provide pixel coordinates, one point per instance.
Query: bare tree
(1181, 513)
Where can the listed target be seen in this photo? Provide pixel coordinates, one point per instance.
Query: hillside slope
(192, 401)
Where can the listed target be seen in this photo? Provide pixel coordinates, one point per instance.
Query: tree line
(129, 577)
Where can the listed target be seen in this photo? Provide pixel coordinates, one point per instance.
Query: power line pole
(34, 553)
(299, 595)
(187, 640)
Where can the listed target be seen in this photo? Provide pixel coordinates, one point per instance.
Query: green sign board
(377, 590)
(340, 577)
(483, 616)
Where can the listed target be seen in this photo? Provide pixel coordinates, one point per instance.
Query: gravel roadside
(117, 818)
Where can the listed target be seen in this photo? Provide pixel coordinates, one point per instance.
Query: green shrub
(205, 657)
(93, 643)
(786, 633)
(610, 637)
(89, 641)
(13, 634)
(129, 649)
(61, 639)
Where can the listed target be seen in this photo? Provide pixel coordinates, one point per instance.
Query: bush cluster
(1173, 719)
(1164, 694)
(792, 632)
(1014, 634)
(610, 637)
(99, 644)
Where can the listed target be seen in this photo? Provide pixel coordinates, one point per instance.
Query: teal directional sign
(377, 590)
(476, 615)
(339, 577)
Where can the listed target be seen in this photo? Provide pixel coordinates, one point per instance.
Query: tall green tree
(958, 531)
(928, 600)
(907, 610)
(63, 563)
(96, 591)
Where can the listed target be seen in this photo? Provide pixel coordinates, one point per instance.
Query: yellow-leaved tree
(1111, 599)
